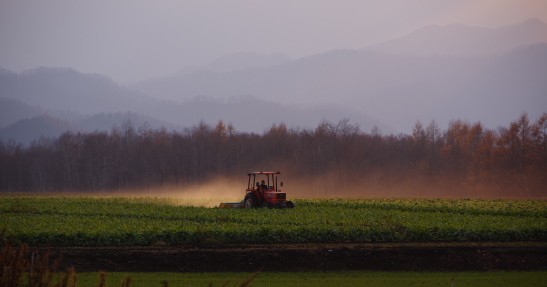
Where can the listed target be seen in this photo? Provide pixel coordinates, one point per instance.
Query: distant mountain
(27, 130)
(371, 88)
(33, 128)
(67, 89)
(229, 63)
(460, 40)
(242, 61)
(13, 110)
(396, 89)
(244, 113)
(88, 102)
(249, 113)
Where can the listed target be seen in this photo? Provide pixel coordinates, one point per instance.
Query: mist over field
(353, 98)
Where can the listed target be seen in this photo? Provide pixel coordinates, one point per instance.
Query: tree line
(130, 157)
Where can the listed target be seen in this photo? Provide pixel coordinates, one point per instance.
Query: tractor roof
(264, 172)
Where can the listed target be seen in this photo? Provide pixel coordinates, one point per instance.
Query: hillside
(79, 102)
(68, 89)
(27, 130)
(490, 75)
(396, 89)
(462, 40)
(12, 110)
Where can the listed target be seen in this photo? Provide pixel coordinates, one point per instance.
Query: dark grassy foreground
(22, 267)
(368, 279)
(85, 221)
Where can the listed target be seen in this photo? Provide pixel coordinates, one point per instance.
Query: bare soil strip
(310, 257)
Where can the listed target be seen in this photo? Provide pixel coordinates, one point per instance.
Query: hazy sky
(131, 40)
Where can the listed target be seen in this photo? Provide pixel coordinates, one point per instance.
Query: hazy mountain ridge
(29, 129)
(466, 41)
(294, 77)
(371, 88)
(68, 89)
(397, 89)
(246, 113)
(249, 113)
(242, 61)
(12, 110)
(225, 64)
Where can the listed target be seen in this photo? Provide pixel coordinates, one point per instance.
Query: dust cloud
(338, 184)
(207, 194)
(335, 185)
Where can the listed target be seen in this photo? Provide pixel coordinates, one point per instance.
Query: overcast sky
(132, 40)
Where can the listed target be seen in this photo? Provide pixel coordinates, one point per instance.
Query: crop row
(85, 221)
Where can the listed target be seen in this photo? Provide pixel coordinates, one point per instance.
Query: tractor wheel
(249, 202)
(290, 204)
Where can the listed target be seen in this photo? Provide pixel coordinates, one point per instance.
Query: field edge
(424, 256)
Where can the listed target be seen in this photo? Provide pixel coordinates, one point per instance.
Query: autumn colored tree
(127, 157)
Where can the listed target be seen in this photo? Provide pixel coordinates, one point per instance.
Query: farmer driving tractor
(262, 193)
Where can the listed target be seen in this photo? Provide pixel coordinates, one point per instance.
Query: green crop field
(87, 221)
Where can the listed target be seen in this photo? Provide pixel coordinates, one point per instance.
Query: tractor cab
(264, 190)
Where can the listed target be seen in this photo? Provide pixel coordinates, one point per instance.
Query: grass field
(368, 279)
(86, 221)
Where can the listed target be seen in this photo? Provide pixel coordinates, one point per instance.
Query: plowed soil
(310, 257)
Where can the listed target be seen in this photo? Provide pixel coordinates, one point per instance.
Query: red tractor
(263, 190)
